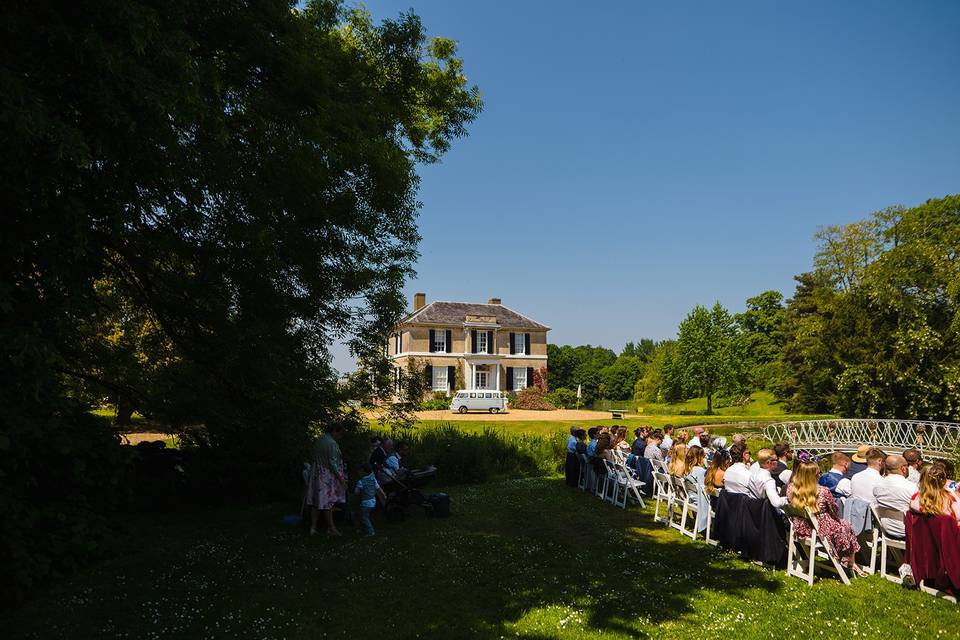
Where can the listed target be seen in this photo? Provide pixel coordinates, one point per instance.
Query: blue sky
(634, 159)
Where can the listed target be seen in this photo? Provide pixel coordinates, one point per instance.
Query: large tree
(198, 198)
(707, 360)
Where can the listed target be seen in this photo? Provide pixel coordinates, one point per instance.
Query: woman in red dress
(804, 493)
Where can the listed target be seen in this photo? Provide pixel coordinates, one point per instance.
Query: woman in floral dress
(804, 493)
(328, 481)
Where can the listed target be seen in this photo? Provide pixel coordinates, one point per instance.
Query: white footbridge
(932, 439)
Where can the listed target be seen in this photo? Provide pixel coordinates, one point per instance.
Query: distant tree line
(871, 331)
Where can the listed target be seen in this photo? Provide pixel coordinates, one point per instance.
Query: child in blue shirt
(369, 489)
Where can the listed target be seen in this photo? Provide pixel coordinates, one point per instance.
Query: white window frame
(439, 381)
(519, 373)
(520, 344)
(482, 346)
(439, 341)
(476, 378)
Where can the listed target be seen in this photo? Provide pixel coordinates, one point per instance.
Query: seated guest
(858, 461)
(704, 440)
(894, 492)
(594, 433)
(804, 492)
(761, 483)
(571, 466)
(713, 480)
(653, 450)
(784, 455)
(622, 440)
(862, 484)
(640, 443)
(678, 460)
(380, 453)
(667, 443)
(932, 496)
(682, 438)
(572, 440)
(695, 435)
(581, 436)
(736, 477)
(695, 468)
(834, 479)
(914, 464)
(738, 438)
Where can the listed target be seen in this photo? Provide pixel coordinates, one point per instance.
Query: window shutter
(451, 376)
(513, 345)
(473, 341)
(509, 378)
(490, 342)
(529, 376)
(526, 343)
(428, 370)
(433, 336)
(449, 341)
(400, 342)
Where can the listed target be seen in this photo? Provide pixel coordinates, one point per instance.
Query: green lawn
(522, 558)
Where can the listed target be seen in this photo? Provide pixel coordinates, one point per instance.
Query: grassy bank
(522, 558)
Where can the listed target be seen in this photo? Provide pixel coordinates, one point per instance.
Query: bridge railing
(932, 439)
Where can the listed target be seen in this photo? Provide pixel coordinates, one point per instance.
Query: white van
(479, 400)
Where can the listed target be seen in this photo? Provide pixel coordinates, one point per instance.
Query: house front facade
(482, 346)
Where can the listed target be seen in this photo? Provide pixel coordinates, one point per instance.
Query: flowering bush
(534, 399)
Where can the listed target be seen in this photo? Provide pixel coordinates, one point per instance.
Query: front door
(480, 379)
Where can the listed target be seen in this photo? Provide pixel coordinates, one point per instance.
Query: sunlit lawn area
(522, 558)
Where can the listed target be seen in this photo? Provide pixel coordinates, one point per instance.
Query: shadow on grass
(531, 559)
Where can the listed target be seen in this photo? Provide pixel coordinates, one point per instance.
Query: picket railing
(932, 439)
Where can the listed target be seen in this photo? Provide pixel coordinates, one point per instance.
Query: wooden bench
(617, 414)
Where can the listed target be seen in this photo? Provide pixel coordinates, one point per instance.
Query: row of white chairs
(618, 487)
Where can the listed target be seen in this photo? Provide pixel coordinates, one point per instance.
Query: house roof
(455, 313)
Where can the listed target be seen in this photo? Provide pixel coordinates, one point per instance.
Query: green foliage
(873, 332)
(760, 337)
(563, 398)
(438, 401)
(707, 360)
(658, 384)
(620, 377)
(199, 198)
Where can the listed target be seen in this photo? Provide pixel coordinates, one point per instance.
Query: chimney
(419, 301)
(494, 301)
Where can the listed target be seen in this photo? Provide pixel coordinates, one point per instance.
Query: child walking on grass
(369, 489)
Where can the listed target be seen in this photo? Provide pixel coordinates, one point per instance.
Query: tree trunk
(709, 404)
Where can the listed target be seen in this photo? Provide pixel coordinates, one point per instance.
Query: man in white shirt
(761, 484)
(737, 475)
(667, 443)
(863, 483)
(894, 492)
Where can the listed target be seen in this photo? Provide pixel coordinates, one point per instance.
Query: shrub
(437, 402)
(532, 398)
(58, 479)
(563, 398)
(468, 457)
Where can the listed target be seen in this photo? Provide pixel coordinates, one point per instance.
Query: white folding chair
(611, 483)
(707, 535)
(628, 486)
(870, 537)
(691, 507)
(894, 545)
(583, 481)
(807, 551)
(678, 508)
(662, 493)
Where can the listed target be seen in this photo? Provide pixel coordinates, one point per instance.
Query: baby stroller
(403, 491)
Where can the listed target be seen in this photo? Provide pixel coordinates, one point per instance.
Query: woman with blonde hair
(678, 460)
(713, 480)
(932, 496)
(804, 493)
(696, 469)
